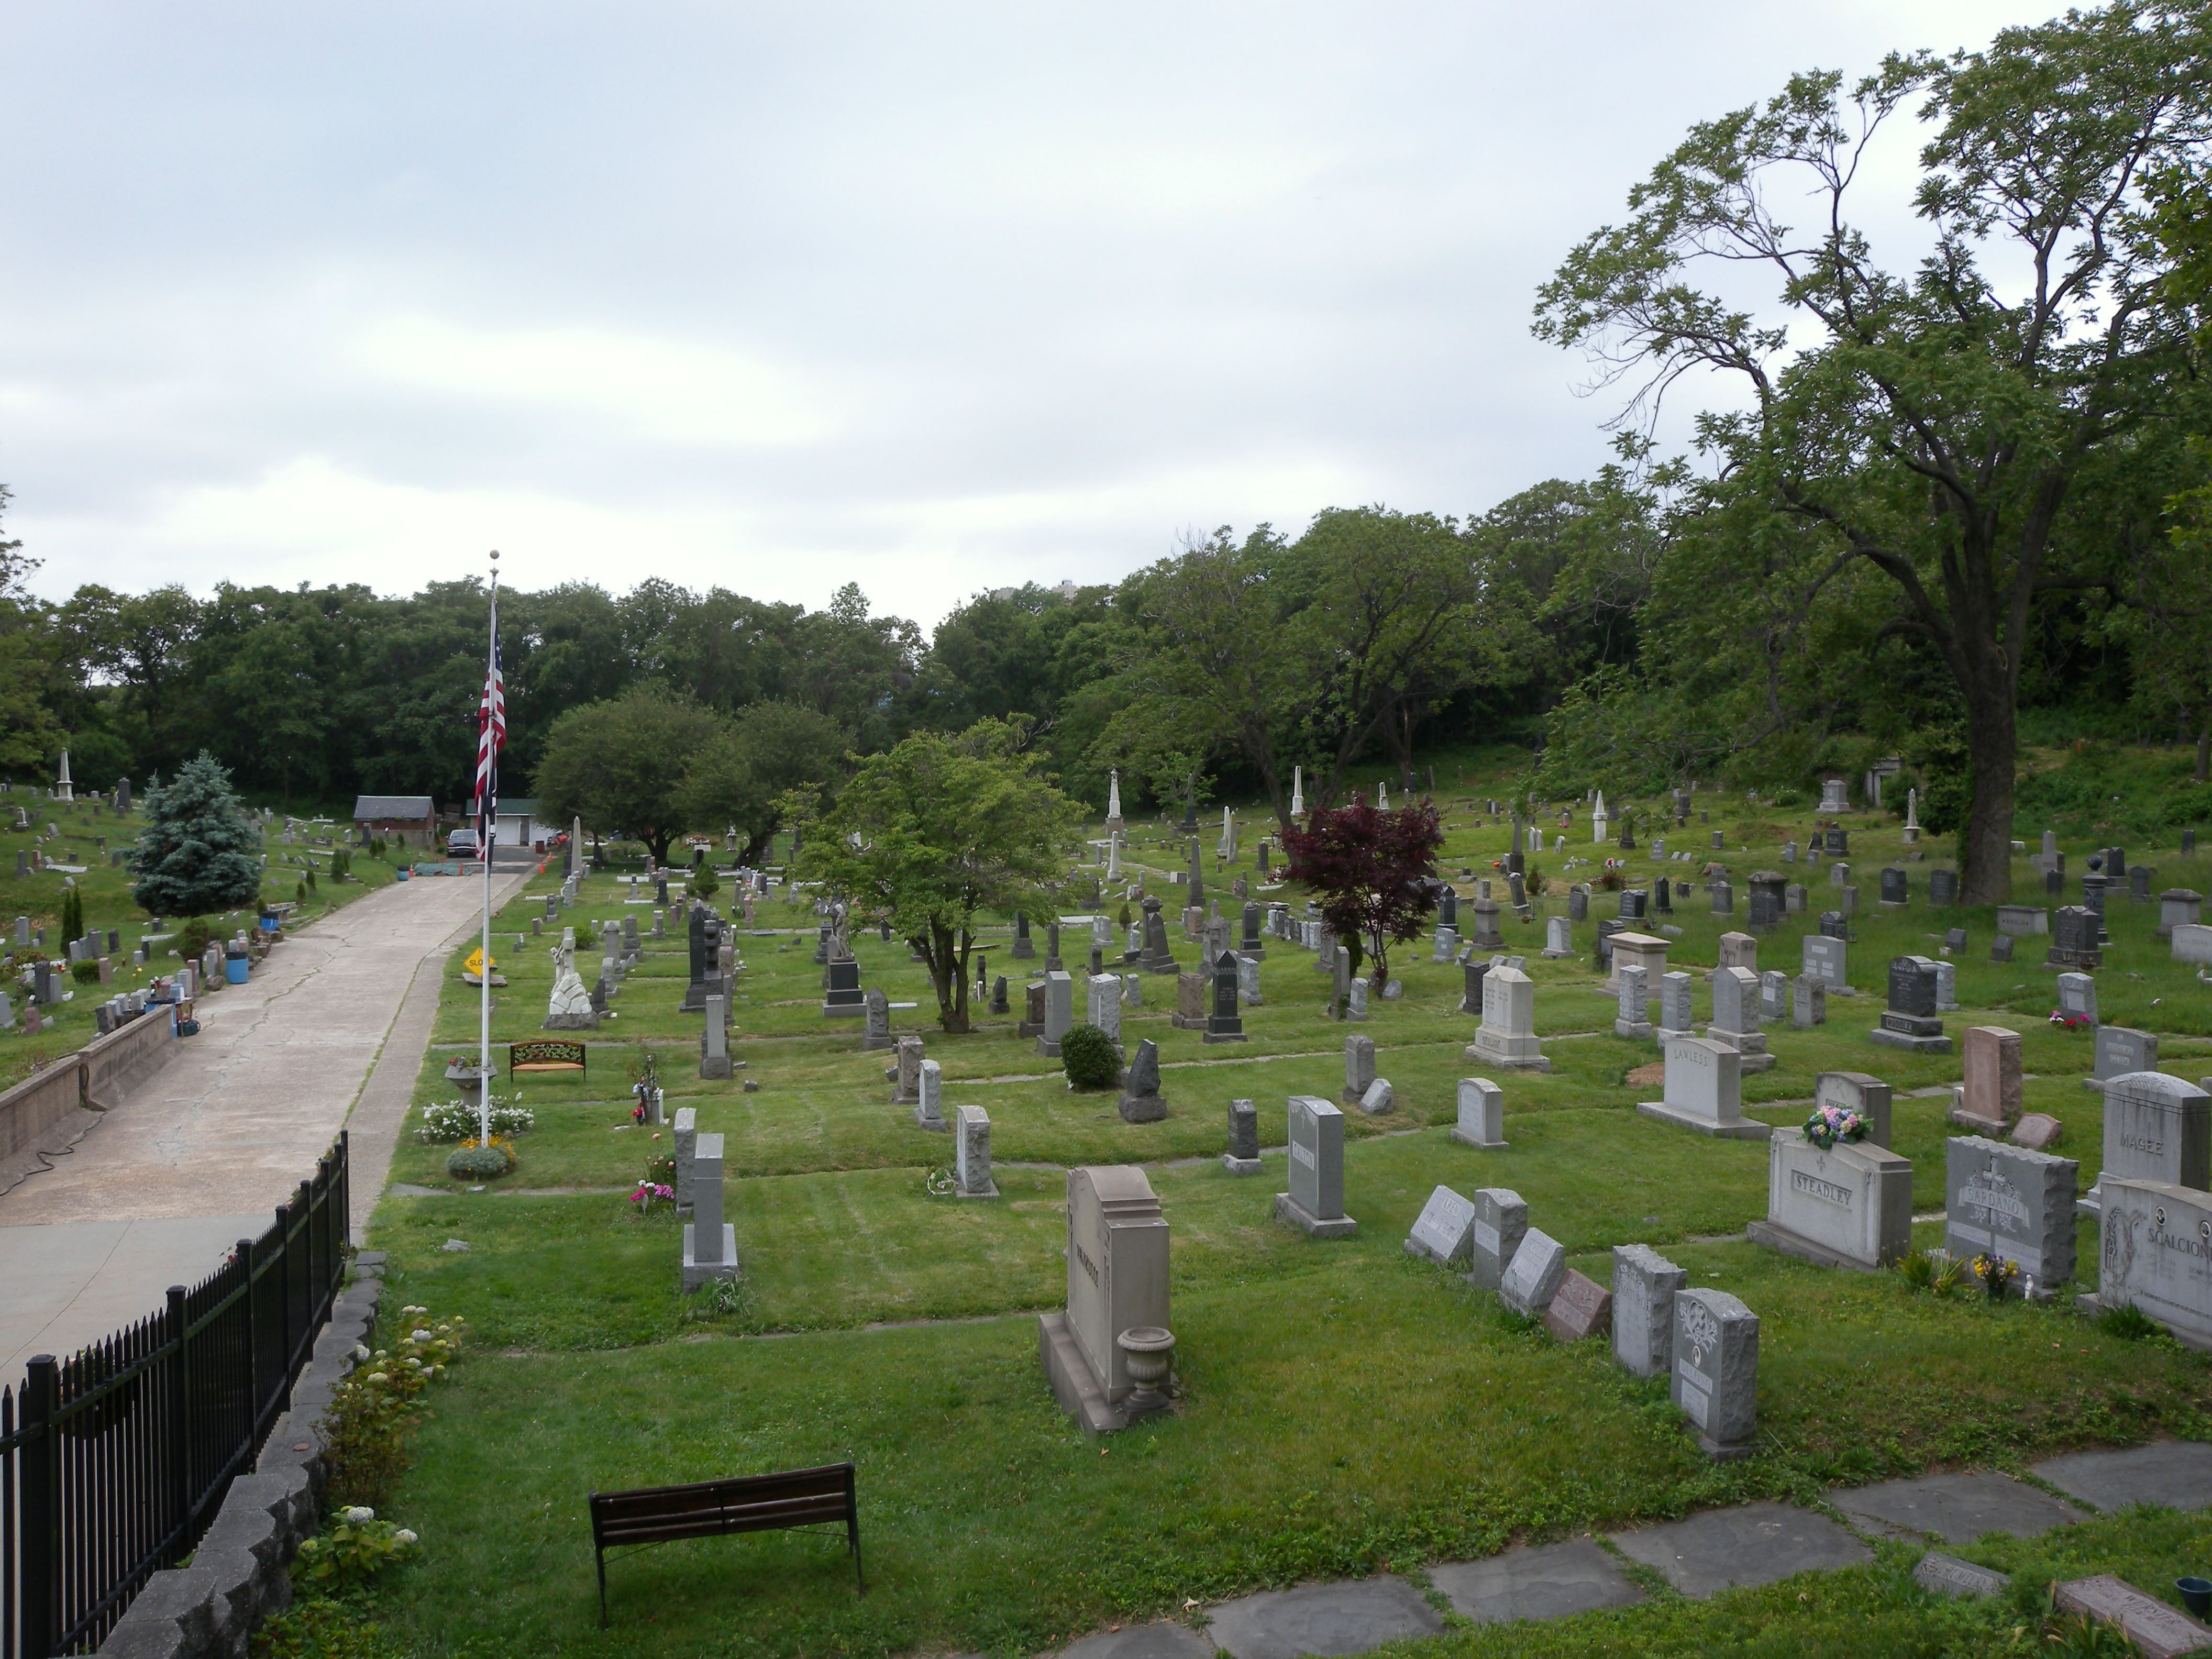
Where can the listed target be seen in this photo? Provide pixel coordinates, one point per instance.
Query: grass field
(1346, 1408)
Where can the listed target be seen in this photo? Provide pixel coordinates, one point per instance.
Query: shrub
(299, 893)
(192, 937)
(1087, 1055)
(1917, 1270)
(703, 885)
(312, 886)
(479, 1163)
(455, 1119)
(353, 1549)
(373, 1411)
(85, 973)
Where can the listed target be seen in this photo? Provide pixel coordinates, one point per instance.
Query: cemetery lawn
(108, 905)
(1345, 1409)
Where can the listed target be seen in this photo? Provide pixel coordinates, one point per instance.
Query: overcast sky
(930, 298)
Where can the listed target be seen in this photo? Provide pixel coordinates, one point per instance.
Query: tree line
(1935, 495)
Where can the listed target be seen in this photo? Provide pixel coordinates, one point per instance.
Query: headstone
(1481, 1115)
(971, 1154)
(1723, 899)
(1676, 1016)
(2001, 948)
(2007, 1201)
(2192, 943)
(1224, 1023)
(1855, 1091)
(714, 1041)
(1896, 892)
(1580, 1307)
(1024, 948)
(2074, 938)
(1507, 1036)
(1059, 1012)
(1243, 1158)
(1578, 904)
(2151, 1627)
(1315, 1204)
(1559, 938)
(877, 1034)
(1849, 1206)
(1117, 1281)
(1988, 1102)
(1632, 1019)
(1190, 1003)
(1943, 888)
(2077, 998)
(998, 1004)
(2153, 1254)
(1501, 1222)
(929, 1111)
(907, 1088)
(2019, 921)
(1532, 1279)
(1704, 1090)
(1910, 1022)
(2157, 1128)
(1141, 1101)
(1358, 1067)
(1646, 950)
(1471, 996)
(1773, 995)
(1052, 962)
(1102, 1004)
(2120, 1050)
(1248, 981)
(1644, 1285)
(1444, 1231)
(1735, 1017)
(710, 1244)
(1715, 1381)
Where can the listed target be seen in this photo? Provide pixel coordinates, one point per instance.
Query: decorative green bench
(544, 1055)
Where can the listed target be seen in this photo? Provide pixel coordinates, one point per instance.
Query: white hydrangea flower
(360, 1513)
(379, 1377)
(406, 1536)
(418, 1336)
(360, 1351)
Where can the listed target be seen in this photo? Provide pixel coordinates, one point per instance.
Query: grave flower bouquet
(2069, 1021)
(649, 1193)
(1830, 1124)
(1995, 1273)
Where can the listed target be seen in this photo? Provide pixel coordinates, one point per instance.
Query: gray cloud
(931, 299)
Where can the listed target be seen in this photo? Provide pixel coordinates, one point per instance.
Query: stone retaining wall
(240, 1574)
(49, 1110)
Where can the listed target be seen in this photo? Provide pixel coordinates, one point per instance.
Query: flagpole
(486, 831)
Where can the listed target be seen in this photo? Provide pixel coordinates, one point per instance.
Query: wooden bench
(544, 1055)
(707, 1509)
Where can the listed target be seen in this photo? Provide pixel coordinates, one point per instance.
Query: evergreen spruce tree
(198, 854)
(72, 914)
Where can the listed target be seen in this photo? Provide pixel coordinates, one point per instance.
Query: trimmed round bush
(1087, 1054)
(477, 1164)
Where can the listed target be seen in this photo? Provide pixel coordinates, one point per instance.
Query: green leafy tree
(938, 832)
(197, 852)
(72, 913)
(1946, 430)
(620, 765)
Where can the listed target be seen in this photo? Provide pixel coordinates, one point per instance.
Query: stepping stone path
(1755, 1544)
(1959, 1508)
(1550, 1581)
(1342, 1617)
(1720, 1549)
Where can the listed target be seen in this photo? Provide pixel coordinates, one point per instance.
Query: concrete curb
(238, 1574)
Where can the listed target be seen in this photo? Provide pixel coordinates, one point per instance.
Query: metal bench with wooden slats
(707, 1509)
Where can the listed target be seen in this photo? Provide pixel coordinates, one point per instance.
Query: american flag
(491, 737)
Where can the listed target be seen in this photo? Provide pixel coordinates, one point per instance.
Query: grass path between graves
(1346, 1408)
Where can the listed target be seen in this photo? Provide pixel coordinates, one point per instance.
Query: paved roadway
(200, 1155)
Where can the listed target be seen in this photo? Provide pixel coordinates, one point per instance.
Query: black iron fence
(114, 1462)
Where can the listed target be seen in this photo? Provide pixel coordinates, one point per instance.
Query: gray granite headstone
(2155, 1252)
(1243, 1158)
(2119, 1051)
(1716, 1369)
(1314, 1203)
(1444, 1233)
(1643, 1286)
(1532, 1278)
(1481, 1115)
(2156, 1128)
(2005, 1200)
(1501, 1221)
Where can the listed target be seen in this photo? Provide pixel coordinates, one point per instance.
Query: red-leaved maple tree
(1372, 872)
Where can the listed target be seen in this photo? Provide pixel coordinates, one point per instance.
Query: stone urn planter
(1151, 1352)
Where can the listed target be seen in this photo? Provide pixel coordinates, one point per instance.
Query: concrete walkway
(201, 1155)
(1717, 1550)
